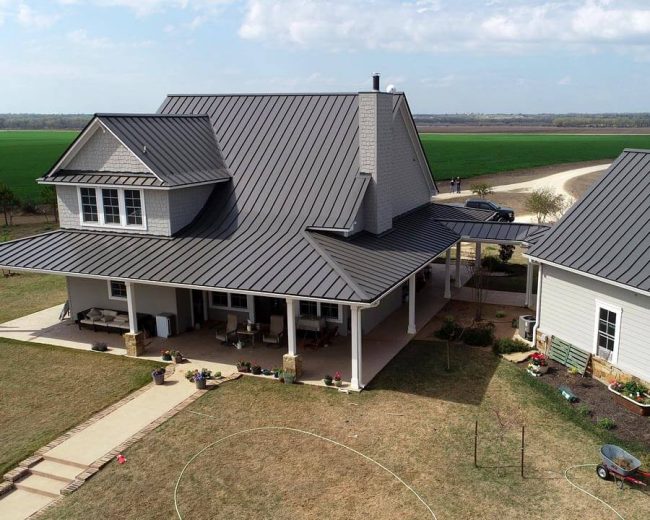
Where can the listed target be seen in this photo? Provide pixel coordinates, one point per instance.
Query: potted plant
(632, 395)
(239, 345)
(289, 377)
(243, 366)
(99, 346)
(328, 380)
(256, 369)
(177, 356)
(166, 355)
(538, 364)
(158, 375)
(337, 379)
(266, 372)
(276, 373)
(199, 377)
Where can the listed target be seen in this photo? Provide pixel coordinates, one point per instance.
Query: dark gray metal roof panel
(451, 212)
(606, 233)
(108, 178)
(498, 231)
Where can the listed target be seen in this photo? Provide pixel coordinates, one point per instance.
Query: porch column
(448, 274)
(206, 306)
(130, 303)
(250, 303)
(457, 282)
(134, 339)
(478, 255)
(292, 361)
(356, 382)
(530, 267)
(411, 328)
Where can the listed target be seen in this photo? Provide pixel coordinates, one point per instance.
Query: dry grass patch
(416, 418)
(47, 390)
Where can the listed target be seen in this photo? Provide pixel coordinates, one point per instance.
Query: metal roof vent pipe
(375, 81)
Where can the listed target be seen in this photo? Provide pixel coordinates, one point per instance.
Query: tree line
(43, 121)
(622, 120)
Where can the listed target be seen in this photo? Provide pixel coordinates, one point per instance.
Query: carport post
(477, 259)
(529, 283)
(291, 327)
(457, 278)
(448, 274)
(411, 328)
(356, 333)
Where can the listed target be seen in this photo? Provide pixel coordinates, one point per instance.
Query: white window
(116, 290)
(112, 207)
(229, 301)
(329, 311)
(607, 331)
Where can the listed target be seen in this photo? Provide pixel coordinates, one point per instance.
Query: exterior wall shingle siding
(568, 311)
(104, 153)
(185, 204)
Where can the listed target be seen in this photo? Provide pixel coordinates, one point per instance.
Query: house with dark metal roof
(594, 290)
(317, 207)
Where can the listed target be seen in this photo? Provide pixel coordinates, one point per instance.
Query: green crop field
(26, 155)
(469, 155)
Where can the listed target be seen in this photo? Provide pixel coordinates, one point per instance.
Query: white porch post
(250, 303)
(457, 282)
(448, 274)
(529, 284)
(130, 303)
(356, 382)
(411, 328)
(478, 255)
(291, 327)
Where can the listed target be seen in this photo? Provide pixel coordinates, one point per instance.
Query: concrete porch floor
(201, 348)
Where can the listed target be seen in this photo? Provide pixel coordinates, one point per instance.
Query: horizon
(484, 56)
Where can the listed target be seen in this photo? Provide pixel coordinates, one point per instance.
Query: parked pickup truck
(502, 214)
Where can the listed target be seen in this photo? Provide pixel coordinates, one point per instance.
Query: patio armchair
(228, 332)
(275, 332)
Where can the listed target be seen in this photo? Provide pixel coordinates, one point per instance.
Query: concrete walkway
(62, 464)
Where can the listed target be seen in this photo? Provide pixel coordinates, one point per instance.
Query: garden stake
(523, 447)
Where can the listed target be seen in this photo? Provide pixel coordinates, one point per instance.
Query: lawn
(47, 390)
(469, 155)
(27, 155)
(25, 293)
(416, 419)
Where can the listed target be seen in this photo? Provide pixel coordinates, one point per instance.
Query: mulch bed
(600, 401)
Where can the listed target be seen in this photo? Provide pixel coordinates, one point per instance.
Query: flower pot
(158, 379)
(243, 370)
(256, 370)
(289, 379)
(328, 382)
(166, 357)
(540, 369)
(630, 404)
(338, 382)
(178, 359)
(201, 384)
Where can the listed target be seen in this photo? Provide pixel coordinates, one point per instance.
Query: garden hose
(266, 428)
(566, 476)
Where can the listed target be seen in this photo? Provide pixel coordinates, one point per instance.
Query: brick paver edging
(111, 455)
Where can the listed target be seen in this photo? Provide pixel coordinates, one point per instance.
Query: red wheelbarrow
(619, 464)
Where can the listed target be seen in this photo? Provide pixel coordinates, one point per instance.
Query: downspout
(538, 308)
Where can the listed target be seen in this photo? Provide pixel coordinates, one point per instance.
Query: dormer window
(112, 207)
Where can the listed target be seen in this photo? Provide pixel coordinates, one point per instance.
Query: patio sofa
(110, 320)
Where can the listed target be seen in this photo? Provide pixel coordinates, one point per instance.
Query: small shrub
(491, 263)
(29, 206)
(450, 329)
(99, 346)
(606, 423)
(514, 323)
(583, 411)
(480, 335)
(508, 346)
(500, 314)
(573, 371)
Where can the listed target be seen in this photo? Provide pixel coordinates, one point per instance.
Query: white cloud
(147, 7)
(28, 17)
(81, 39)
(431, 25)
(566, 80)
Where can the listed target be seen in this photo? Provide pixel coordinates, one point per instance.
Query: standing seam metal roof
(607, 232)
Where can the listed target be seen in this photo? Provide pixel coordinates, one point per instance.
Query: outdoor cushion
(107, 318)
(121, 318)
(108, 313)
(93, 314)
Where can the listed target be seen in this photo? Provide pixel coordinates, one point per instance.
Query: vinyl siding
(104, 153)
(568, 310)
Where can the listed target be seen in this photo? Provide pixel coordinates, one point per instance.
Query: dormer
(143, 174)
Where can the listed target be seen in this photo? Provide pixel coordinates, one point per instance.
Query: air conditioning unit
(165, 324)
(526, 325)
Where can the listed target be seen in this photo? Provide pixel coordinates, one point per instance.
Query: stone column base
(292, 364)
(134, 343)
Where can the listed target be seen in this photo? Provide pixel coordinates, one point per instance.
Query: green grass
(47, 390)
(26, 155)
(469, 155)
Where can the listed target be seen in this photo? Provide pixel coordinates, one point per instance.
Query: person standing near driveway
(457, 184)
(453, 185)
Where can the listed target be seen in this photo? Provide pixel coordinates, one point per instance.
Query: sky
(448, 56)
